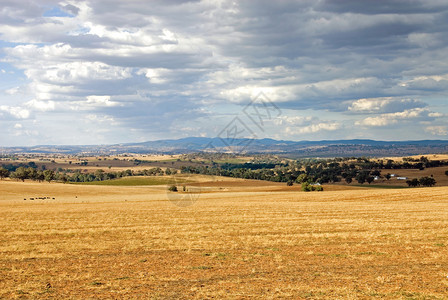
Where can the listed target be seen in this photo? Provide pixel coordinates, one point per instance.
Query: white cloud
(377, 121)
(384, 105)
(293, 120)
(319, 127)
(437, 130)
(13, 91)
(16, 112)
(100, 101)
(100, 119)
(421, 114)
(41, 105)
(302, 125)
(155, 76)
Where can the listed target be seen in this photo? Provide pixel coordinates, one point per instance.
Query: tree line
(362, 170)
(303, 171)
(22, 173)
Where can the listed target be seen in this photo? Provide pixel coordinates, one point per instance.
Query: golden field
(240, 240)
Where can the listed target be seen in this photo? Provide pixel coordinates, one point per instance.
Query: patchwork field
(238, 240)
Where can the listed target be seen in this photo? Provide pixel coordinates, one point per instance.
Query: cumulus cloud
(16, 111)
(428, 83)
(384, 105)
(305, 125)
(320, 127)
(416, 114)
(437, 130)
(41, 105)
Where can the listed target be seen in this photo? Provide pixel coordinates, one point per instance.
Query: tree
(413, 183)
(388, 176)
(446, 172)
(290, 183)
(306, 187)
(362, 177)
(40, 176)
(3, 173)
(21, 173)
(348, 180)
(32, 174)
(63, 178)
(99, 174)
(370, 179)
(318, 188)
(376, 173)
(172, 188)
(427, 181)
(49, 175)
(302, 178)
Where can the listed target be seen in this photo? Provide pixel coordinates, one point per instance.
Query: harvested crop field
(133, 242)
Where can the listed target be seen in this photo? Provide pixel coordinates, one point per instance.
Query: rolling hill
(325, 148)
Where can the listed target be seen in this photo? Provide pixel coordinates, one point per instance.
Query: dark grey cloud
(73, 10)
(382, 7)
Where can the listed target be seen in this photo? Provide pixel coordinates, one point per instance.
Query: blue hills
(324, 148)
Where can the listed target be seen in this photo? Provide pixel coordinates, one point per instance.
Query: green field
(139, 180)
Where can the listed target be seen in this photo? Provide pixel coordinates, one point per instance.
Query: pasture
(240, 240)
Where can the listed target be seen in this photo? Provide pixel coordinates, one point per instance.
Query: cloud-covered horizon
(98, 72)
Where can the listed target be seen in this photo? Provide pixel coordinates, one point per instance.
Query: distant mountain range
(327, 148)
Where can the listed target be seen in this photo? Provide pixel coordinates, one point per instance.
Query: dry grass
(429, 156)
(132, 242)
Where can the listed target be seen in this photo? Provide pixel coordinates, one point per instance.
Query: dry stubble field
(132, 242)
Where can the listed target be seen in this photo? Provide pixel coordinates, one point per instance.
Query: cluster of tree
(275, 174)
(307, 187)
(13, 167)
(4, 173)
(424, 181)
(412, 163)
(321, 172)
(22, 173)
(362, 170)
(249, 165)
(101, 175)
(310, 171)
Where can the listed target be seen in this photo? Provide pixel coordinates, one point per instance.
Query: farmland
(241, 239)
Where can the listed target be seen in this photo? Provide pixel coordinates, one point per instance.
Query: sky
(107, 72)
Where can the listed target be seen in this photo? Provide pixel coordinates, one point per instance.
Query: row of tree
(424, 181)
(22, 173)
(361, 170)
